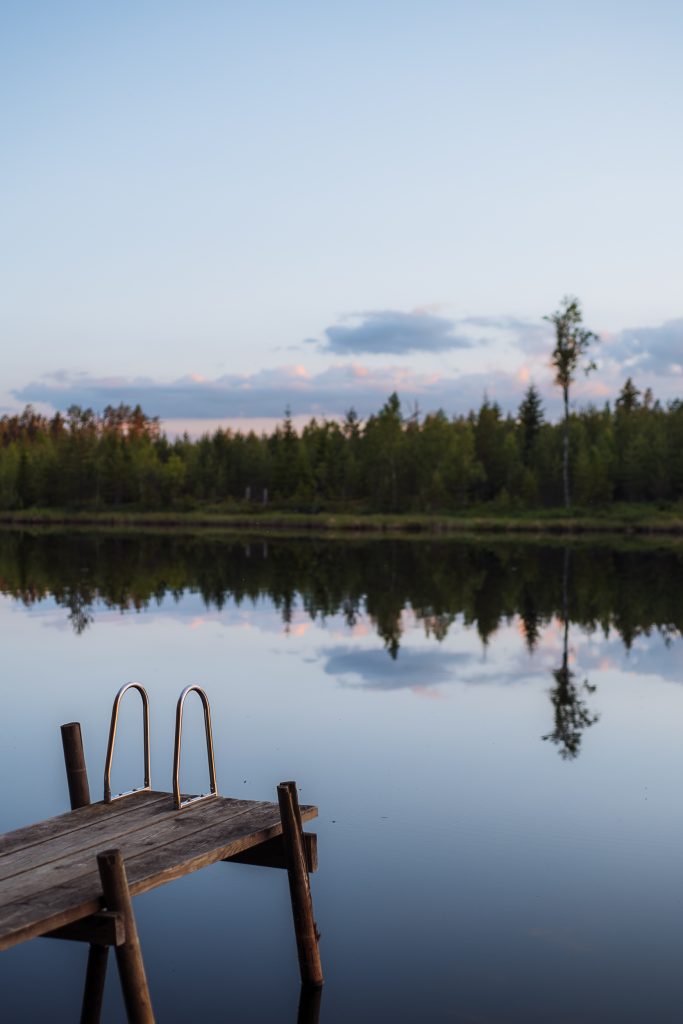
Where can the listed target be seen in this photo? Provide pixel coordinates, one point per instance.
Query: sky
(225, 210)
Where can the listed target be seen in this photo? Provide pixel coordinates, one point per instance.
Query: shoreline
(627, 522)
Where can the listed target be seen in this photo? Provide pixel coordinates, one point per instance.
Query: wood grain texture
(54, 873)
(54, 891)
(100, 834)
(70, 821)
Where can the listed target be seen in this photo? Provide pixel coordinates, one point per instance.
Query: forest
(631, 451)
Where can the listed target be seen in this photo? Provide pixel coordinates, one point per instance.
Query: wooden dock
(73, 876)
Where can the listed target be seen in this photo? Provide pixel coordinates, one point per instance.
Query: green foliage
(388, 464)
(572, 342)
(530, 419)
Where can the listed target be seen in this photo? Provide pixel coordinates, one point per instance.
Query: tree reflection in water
(624, 588)
(571, 712)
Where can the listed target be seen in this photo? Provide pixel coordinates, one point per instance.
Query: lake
(492, 731)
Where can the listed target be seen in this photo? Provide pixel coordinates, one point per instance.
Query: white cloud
(518, 352)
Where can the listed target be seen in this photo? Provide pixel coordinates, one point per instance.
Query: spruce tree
(530, 419)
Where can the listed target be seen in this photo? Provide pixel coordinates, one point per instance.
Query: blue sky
(224, 209)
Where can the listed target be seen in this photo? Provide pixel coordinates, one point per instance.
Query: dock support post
(95, 977)
(299, 886)
(76, 771)
(79, 796)
(129, 956)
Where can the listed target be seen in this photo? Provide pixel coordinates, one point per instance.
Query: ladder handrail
(108, 798)
(213, 791)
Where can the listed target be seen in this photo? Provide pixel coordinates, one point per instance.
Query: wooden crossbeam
(106, 928)
(271, 854)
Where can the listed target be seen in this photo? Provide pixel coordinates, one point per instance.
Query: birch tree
(572, 342)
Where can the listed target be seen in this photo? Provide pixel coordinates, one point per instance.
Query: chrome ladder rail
(177, 799)
(108, 798)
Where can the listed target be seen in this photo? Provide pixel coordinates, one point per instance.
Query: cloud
(375, 670)
(388, 332)
(656, 350)
(268, 393)
(519, 352)
(426, 669)
(533, 337)
(265, 393)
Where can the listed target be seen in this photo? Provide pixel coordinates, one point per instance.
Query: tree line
(391, 462)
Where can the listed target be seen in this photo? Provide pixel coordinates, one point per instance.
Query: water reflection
(632, 590)
(309, 1005)
(429, 769)
(386, 584)
(571, 712)
(308, 1010)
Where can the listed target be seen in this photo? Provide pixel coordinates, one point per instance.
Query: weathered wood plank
(23, 921)
(54, 872)
(271, 854)
(185, 855)
(149, 862)
(101, 833)
(105, 928)
(71, 821)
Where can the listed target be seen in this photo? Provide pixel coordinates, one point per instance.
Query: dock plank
(100, 831)
(184, 856)
(64, 889)
(53, 872)
(71, 821)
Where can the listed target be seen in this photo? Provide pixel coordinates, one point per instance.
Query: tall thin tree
(572, 342)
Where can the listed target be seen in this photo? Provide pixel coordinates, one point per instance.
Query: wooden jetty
(73, 876)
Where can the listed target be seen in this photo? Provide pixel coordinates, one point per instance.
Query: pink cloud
(427, 693)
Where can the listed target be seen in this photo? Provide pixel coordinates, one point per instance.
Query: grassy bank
(617, 519)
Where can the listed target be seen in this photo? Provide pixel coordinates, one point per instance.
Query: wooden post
(128, 956)
(95, 977)
(299, 886)
(79, 796)
(76, 771)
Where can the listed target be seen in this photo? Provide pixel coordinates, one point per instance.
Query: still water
(493, 733)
